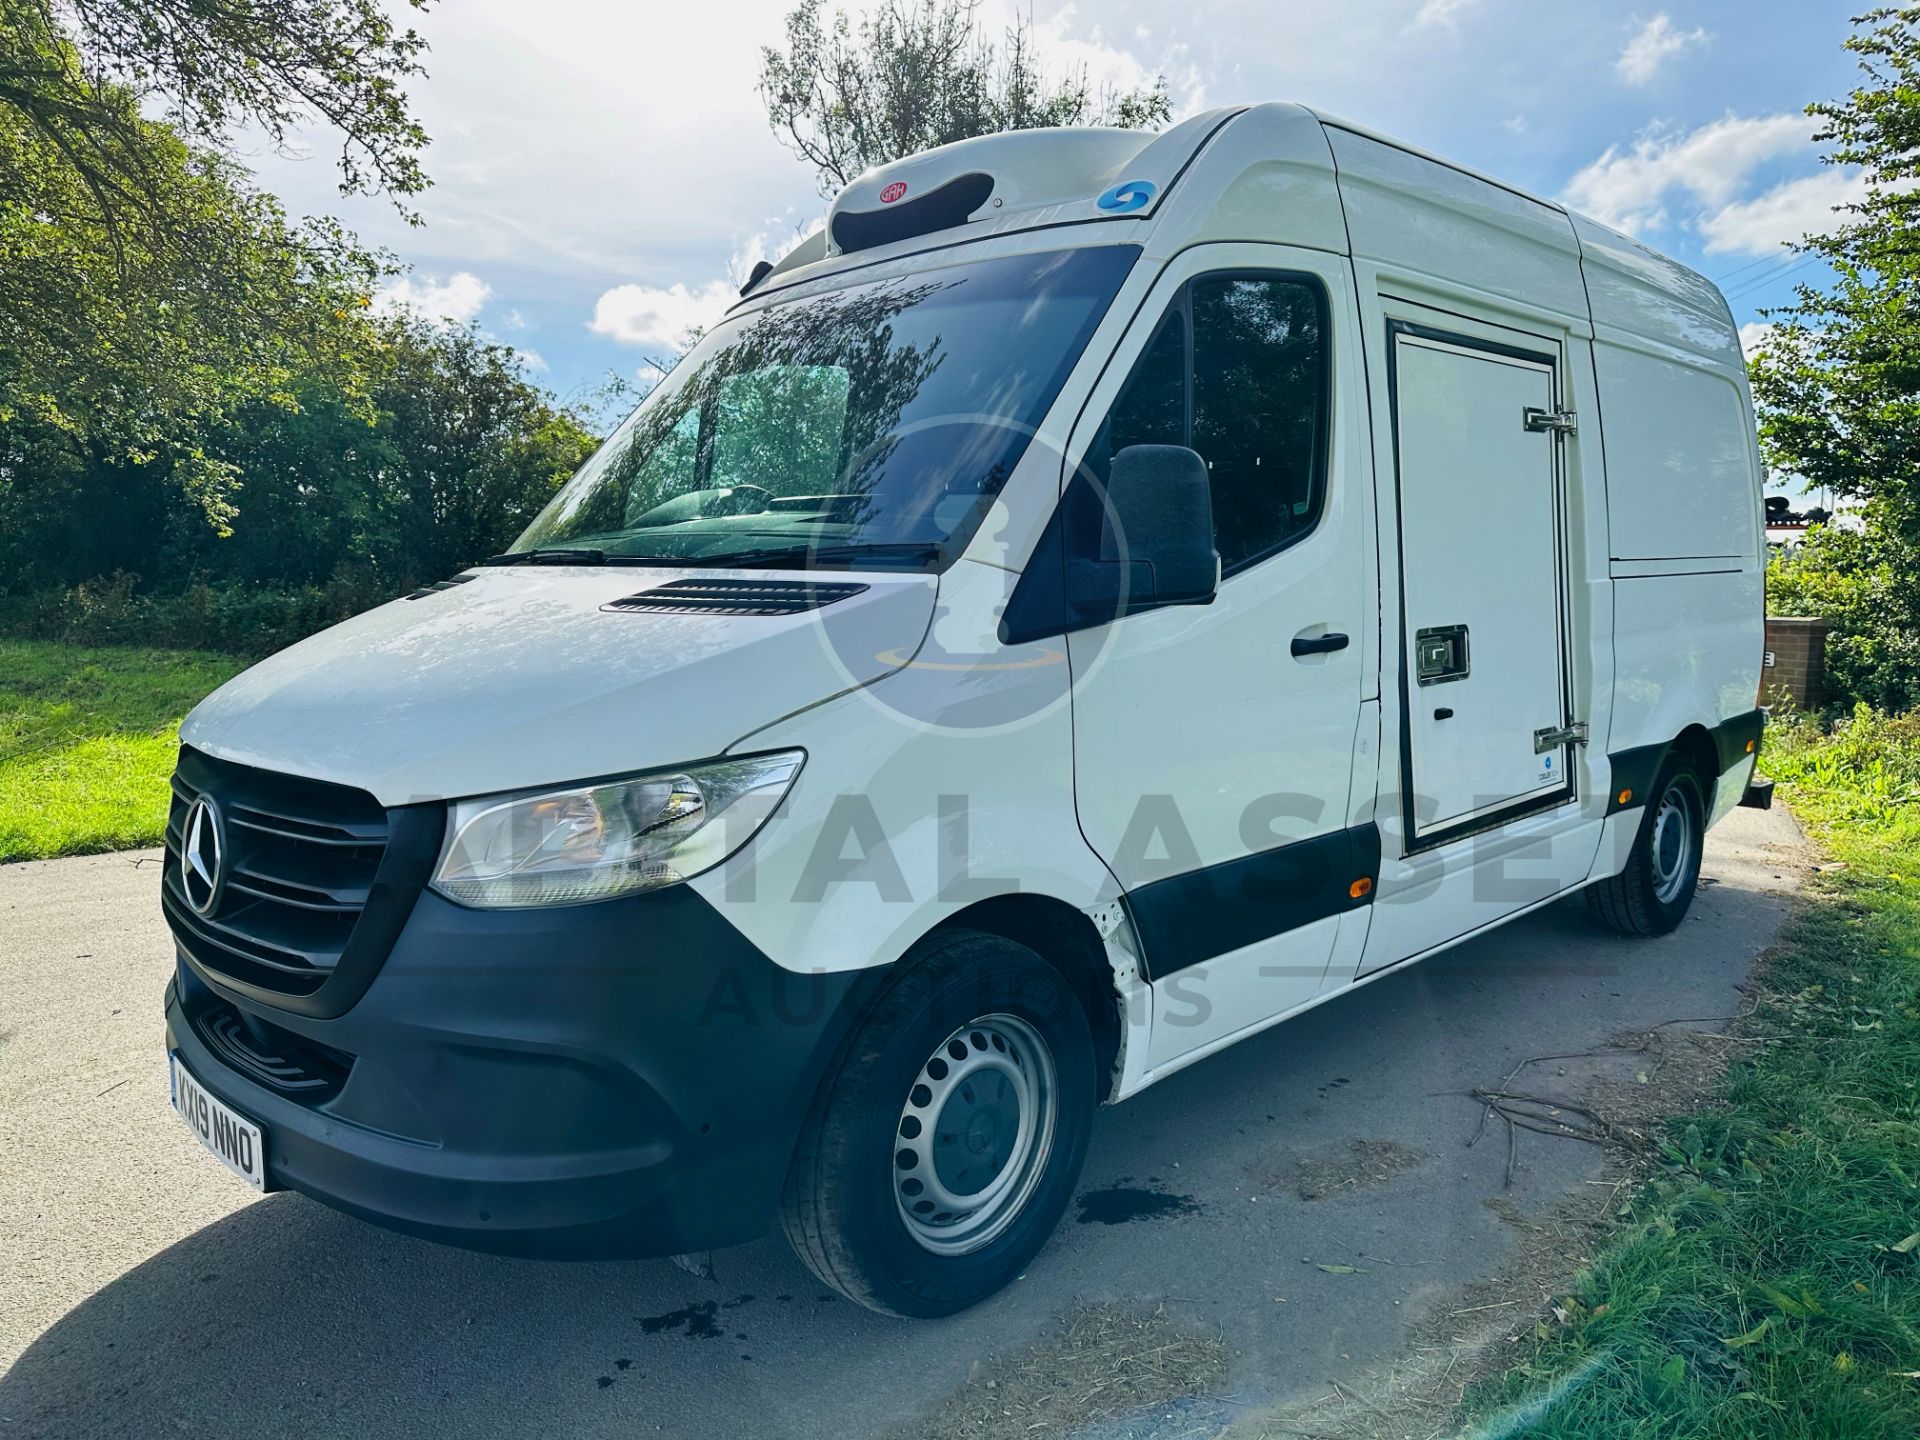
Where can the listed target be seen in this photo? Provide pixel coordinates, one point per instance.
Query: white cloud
(576, 137)
(1515, 124)
(532, 359)
(660, 317)
(1651, 46)
(1753, 335)
(1441, 12)
(649, 315)
(1108, 66)
(1788, 211)
(1631, 189)
(457, 298)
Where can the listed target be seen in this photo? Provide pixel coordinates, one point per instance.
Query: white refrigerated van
(1102, 595)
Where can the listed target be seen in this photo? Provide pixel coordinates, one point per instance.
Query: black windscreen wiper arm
(548, 557)
(788, 554)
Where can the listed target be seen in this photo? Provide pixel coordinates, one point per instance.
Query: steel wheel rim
(1672, 845)
(975, 1134)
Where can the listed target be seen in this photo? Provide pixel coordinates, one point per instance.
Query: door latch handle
(1555, 736)
(1318, 644)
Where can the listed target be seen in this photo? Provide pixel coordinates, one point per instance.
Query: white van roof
(1261, 172)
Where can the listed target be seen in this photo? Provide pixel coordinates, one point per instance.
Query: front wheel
(1652, 895)
(945, 1147)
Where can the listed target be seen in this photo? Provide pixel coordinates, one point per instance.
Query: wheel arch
(1068, 940)
(1695, 745)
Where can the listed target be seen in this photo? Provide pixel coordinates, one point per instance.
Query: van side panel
(1266, 177)
(1687, 651)
(1460, 255)
(1409, 211)
(1683, 493)
(1680, 469)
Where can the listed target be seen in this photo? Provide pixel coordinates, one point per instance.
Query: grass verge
(1767, 1282)
(87, 740)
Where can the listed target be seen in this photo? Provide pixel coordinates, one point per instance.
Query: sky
(604, 175)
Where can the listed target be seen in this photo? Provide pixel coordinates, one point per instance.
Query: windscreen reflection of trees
(767, 415)
(887, 414)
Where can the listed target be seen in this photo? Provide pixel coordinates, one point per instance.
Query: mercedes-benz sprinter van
(1102, 595)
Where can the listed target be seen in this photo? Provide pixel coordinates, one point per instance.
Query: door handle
(1318, 644)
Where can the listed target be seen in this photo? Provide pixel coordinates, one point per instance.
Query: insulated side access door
(1482, 541)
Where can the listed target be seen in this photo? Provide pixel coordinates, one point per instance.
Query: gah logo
(893, 192)
(1127, 196)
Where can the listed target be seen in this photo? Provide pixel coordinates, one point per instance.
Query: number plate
(236, 1142)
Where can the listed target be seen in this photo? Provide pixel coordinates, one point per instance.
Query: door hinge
(1557, 422)
(1555, 736)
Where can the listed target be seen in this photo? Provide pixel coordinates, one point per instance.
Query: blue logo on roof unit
(1127, 196)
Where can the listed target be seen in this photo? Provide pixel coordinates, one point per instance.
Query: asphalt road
(144, 1291)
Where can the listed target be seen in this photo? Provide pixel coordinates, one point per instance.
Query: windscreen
(868, 425)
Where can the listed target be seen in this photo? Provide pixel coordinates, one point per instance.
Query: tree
(1837, 381)
(114, 357)
(1838, 378)
(470, 449)
(437, 454)
(915, 74)
(76, 73)
(147, 290)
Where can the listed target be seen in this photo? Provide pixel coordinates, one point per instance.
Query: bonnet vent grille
(736, 597)
(436, 587)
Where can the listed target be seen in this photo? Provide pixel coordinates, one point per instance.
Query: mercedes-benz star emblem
(203, 855)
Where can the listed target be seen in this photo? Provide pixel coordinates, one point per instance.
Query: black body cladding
(623, 1078)
(1634, 770)
(1188, 919)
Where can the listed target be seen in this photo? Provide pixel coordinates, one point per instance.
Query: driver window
(1237, 371)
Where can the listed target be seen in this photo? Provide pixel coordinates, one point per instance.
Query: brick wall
(1796, 661)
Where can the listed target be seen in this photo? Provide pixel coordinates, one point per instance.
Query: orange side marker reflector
(1749, 747)
(1624, 797)
(1360, 888)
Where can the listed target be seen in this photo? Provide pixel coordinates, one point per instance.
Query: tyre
(1652, 895)
(945, 1146)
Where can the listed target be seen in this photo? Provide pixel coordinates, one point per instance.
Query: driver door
(1215, 744)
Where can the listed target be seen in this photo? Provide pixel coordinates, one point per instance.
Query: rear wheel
(946, 1145)
(1652, 895)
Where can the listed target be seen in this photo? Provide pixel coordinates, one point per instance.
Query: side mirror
(1156, 547)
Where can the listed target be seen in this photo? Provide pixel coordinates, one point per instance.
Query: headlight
(562, 847)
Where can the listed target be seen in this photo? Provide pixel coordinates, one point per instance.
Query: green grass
(87, 740)
(1767, 1282)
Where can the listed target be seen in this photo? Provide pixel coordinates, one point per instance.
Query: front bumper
(625, 1078)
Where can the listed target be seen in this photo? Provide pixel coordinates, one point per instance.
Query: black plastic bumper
(618, 1079)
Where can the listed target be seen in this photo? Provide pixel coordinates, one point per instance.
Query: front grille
(736, 597)
(300, 862)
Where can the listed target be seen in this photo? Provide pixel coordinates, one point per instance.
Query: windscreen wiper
(798, 556)
(548, 557)
(582, 556)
